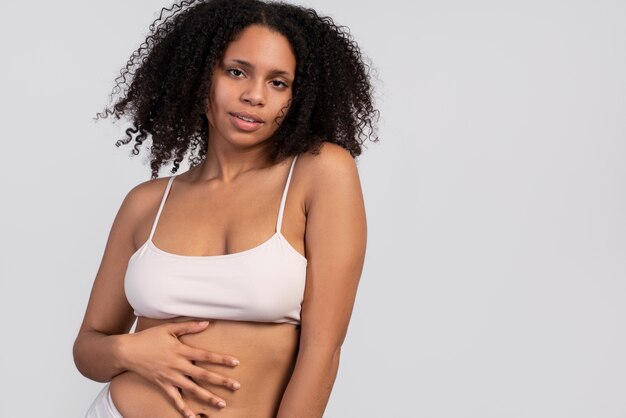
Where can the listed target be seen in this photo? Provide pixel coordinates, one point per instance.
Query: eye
(232, 70)
(280, 84)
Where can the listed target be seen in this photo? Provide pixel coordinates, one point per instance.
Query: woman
(272, 102)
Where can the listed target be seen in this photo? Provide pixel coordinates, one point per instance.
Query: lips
(244, 125)
(249, 116)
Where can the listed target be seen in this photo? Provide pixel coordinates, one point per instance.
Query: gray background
(495, 274)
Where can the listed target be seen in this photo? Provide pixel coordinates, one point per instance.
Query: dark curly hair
(332, 94)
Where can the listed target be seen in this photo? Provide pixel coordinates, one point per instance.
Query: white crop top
(264, 283)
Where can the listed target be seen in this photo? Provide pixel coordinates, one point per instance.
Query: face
(254, 82)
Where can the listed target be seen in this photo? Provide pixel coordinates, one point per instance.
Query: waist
(260, 344)
(267, 352)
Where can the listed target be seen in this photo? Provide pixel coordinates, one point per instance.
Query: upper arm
(335, 239)
(108, 311)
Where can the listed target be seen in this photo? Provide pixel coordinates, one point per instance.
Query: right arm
(104, 349)
(108, 317)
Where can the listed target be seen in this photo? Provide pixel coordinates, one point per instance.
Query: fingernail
(236, 385)
(235, 362)
(203, 323)
(222, 404)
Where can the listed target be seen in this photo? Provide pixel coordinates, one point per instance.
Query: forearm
(310, 385)
(98, 356)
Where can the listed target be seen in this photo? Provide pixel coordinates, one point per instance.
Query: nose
(254, 93)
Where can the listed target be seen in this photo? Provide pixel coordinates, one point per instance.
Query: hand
(158, 356)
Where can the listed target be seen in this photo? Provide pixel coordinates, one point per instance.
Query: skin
(238, 87)
(229, 204)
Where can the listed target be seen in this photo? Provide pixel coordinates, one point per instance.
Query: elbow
(324, 353)
(76, 353)
(81, 362)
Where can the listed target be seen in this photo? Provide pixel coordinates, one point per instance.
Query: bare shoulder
(331, 165)
(331, 156)
(147, 190)
(142, 197)
(140, 203)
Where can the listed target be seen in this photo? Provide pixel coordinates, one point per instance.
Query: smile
(247, 119)
(244, 123)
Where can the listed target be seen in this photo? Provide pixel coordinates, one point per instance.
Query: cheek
(210, 99)
(221, 87)
(283, 110)
(220, 95)
(215, 103)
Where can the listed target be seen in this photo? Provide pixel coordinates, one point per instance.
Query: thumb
(187, 327)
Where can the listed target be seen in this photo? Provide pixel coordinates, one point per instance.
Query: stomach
(267, 352)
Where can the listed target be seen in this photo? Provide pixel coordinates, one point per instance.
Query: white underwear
(102, 406)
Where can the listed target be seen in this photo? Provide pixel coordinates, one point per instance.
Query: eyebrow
(275, 71)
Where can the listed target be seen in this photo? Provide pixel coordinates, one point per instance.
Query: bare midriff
(267, 353)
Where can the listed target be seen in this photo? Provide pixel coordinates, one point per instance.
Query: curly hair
(332, 93)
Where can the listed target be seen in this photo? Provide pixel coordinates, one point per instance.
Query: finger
(199, 374)
(175, 395)
(189, 386)
(197, 354)
(182, 328)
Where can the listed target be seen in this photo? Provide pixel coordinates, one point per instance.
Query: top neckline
(277, 234)
(216, 256)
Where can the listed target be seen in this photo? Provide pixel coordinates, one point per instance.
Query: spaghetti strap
(158, 215)
(264, 284)
(283, 198)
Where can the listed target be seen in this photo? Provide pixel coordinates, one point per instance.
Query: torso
(267, 353)
(200, 219)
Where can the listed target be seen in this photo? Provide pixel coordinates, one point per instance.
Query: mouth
(245, 123)
(247, 117)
